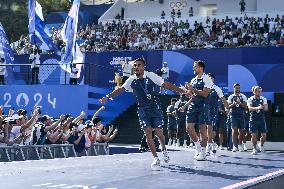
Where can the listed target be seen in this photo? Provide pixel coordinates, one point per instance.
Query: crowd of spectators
(174, 35)
(18, 128)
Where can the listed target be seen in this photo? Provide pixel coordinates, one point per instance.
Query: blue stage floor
(133, 171)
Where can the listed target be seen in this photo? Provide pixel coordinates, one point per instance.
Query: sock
(197, 144)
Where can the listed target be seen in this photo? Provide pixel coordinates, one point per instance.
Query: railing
(52, 73)
(37, 152)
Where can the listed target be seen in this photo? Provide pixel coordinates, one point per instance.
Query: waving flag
(69, 31)
(5, 48)
(38, 32)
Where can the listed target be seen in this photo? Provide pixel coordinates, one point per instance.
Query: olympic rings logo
(178, 5)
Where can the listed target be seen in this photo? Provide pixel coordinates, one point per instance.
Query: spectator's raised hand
(103, 100)
(82, 114)
(62, 117)
(11, 112)
(110, 128)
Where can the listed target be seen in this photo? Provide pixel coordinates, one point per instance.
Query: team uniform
(238, 112)
(221, 120)
(172, 124)
(247, 117)
(198, 110)
(221, 116)
(257, 118)
(181, 122)
(171, 119)
(213, 99)
(149, 111)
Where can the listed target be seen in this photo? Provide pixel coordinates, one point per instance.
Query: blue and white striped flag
(5, 48)
(38, 32)
(69, 31)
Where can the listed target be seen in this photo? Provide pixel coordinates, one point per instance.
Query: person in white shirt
(2, 71)
(35, 62)
(73, 74)
(165, 71)
(126, 70)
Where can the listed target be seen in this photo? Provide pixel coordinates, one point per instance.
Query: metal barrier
(36, 152)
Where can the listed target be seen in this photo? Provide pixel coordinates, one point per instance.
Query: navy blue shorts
(172, 126)
(238, 122)
(181, 123)
(221, 122)
(247, 124)
(198, 115)
(213, 117)
(255, 126)
(150, 117)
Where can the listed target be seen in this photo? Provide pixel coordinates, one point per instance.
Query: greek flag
(39, 34)
(5, 48)
(69, 31)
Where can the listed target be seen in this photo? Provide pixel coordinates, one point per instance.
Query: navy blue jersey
(171, 118)
(144, 89)
(255, 102)
(179, 104)
(237, 110)
(213, 97)
(199, 84)
(221, 106)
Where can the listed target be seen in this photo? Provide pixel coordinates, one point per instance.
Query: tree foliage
(14, 15)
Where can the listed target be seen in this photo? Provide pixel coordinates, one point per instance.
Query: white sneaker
(208, 149)
(245, 148)
(254, 152)
(214, 148)
(166, 156)
(201, 156)
(261, 148)
(177, 144)
(170, 142)
(241, 148)
(198, 149)
(191, 145)
(156, 164)
(221, 147)
(184, 144)
(235, 149)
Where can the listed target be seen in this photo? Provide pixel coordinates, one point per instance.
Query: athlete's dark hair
(236, 84)
(200, 63)
(140, 59)
(173, 100)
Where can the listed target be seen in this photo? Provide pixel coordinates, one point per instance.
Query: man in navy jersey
(181, 120)
(215, 94)
(172, 123)
(221, 123)
(257, 104)
(238, 103)
(198, 110)
(142, 84)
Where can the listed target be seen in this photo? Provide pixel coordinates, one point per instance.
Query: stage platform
(132, 171)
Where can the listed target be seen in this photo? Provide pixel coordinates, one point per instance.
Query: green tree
(14, 15)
